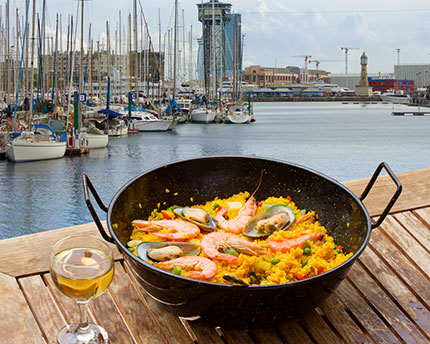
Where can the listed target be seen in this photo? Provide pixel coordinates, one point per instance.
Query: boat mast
(175, 48)
(55, 65)
(8, 67)
(136, 80)
(213, 52)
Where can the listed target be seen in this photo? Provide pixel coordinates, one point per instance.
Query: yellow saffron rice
(275, 267)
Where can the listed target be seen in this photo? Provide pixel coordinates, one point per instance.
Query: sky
(278, 30)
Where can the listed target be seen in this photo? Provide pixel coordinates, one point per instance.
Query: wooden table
(384, 299)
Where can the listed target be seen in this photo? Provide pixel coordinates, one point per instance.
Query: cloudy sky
(277, 30)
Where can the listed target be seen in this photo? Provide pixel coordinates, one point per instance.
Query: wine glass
(82, 268)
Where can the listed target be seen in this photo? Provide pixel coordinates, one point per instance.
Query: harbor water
(343, 141)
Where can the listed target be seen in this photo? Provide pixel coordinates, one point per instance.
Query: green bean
(231, 251)
(177, 270)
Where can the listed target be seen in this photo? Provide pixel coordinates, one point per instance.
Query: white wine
(82, 273)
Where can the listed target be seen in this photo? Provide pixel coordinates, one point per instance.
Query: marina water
(343, 141)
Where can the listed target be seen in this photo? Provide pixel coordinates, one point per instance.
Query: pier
(385, 297)
(411, 113)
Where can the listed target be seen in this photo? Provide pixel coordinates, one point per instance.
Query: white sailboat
(40, 144)
(203, 115)
(144, 122)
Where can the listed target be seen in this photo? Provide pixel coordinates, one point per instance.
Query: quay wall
(317, 99)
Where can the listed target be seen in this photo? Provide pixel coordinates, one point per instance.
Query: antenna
(398, 56)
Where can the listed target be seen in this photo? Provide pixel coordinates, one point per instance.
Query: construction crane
(306, 57)
(346, 56)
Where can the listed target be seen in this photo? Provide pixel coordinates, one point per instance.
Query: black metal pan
(340, 211)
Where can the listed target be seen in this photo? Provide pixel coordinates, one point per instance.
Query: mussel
(197, 216)
(168, 250)
(275, 217)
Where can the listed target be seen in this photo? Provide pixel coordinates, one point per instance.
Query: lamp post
(425, 78)
(418, 79)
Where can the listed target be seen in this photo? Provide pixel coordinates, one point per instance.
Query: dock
(385, 297)
(411, 113)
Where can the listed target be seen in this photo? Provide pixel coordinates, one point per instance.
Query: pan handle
(89, 187)
(393, 199)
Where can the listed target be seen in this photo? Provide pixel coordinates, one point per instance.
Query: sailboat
(38, 142)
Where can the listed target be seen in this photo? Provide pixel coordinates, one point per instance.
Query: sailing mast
(175, 48)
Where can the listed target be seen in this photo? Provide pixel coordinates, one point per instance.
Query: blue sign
(80, 97)
(132, 95)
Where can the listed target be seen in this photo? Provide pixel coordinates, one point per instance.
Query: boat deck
(385, 298)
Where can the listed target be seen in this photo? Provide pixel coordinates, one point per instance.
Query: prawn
(212, 243)
(195, 267)
(308, 218)
(178, 230)
(288, 244)
(245, 214)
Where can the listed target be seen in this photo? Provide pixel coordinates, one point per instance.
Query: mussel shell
(235, 280)
(209, 226)
(270, 210)
(189, 249)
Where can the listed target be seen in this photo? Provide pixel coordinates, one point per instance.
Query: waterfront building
(419, 73)
(395, 85)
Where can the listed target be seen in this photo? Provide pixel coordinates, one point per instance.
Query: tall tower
(213, 16)
(363, 89)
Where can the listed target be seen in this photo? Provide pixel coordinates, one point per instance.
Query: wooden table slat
(17, 324)
(135, 312)
(265, 336)
(319, 330)
(407, 244)
(365, 315)
(343, 323)
(236, 336)
(43, 306)
(385, 306)
(170, 324)
(293, 333)
(415, 227)
(398, 291)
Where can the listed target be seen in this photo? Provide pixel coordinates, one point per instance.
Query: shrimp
(245, 214)
(288, 244)
(237, 225)
(195, 267)
(308, 218)
(212, 243)
(178, 230)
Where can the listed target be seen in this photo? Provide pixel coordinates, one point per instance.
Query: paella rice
(300, 250)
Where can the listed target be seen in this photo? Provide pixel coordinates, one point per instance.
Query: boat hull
(155, 126)
(21, 151)
(97, 141)
(202, 116)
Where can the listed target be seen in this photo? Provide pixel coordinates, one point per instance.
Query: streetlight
(425, 78)
(417, 75)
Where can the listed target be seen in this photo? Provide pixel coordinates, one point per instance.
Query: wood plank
(424, 215)
(385, 306)
(399, 292)
(415, 227)
(416, 186)
(170, 324)
(108, 315)
(236, 336)
(135, 313)
(205, 334)
(403, 267)
(265, 336)
(24, 261)
(17, 323)
(43, 306)
(407, 244)
(342, 322)
(364, 314)
(293, 333)
(319, 330)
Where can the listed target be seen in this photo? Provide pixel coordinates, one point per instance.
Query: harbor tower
(214, 15)
(363, 89)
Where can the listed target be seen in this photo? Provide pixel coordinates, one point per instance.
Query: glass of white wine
(82, 268)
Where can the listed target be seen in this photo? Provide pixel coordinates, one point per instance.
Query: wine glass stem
(83, 316)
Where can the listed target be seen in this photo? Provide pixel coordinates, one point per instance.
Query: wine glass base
(94, 335)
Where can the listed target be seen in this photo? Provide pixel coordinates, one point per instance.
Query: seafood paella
(237, 240)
